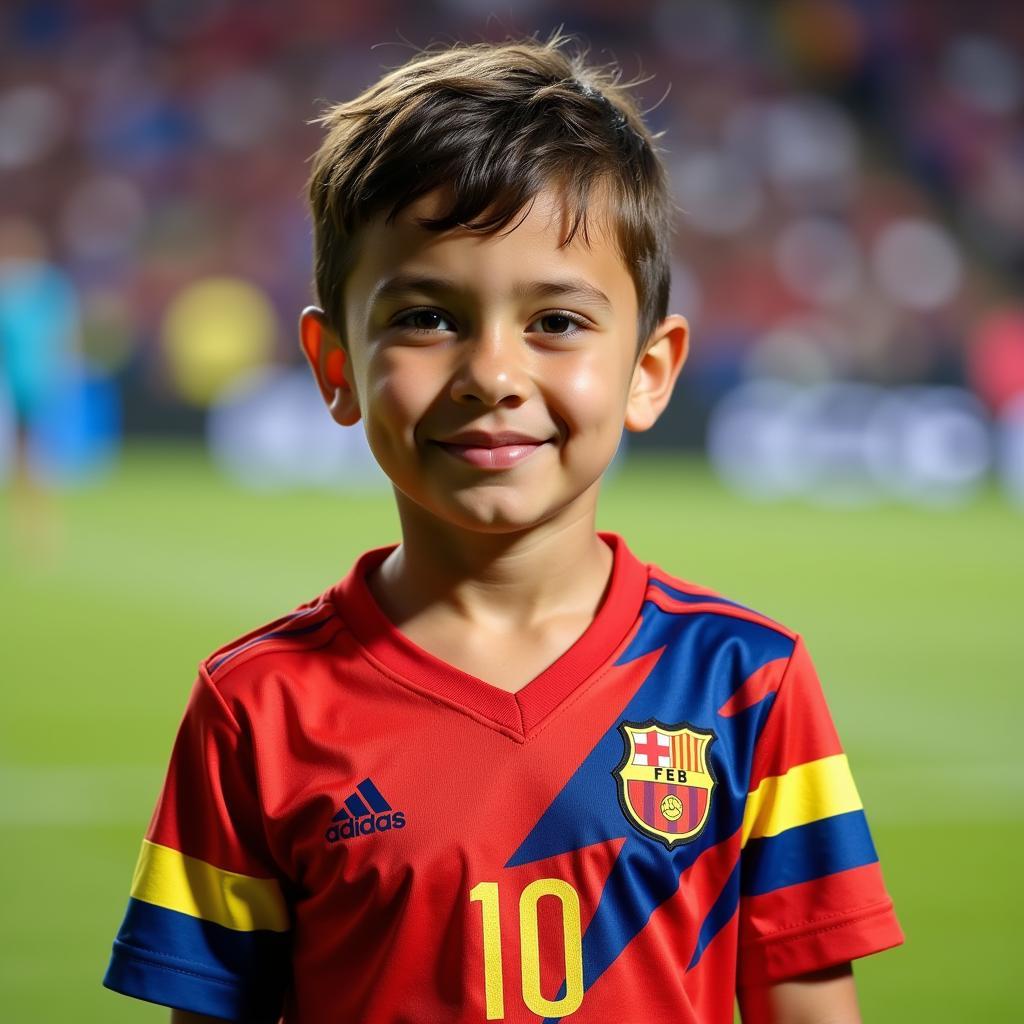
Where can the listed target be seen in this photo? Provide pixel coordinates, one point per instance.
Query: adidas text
(352, 828)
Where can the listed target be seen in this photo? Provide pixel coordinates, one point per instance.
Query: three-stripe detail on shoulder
(298, 624)
(695, 600)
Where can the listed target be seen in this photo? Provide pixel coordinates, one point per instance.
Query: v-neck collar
(518, 712)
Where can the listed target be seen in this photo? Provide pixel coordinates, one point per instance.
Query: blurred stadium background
(845, 451)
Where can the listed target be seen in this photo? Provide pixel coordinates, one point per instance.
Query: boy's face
(493, 404)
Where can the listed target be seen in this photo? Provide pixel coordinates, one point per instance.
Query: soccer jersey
(353, 830)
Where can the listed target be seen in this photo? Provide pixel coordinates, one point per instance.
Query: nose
(491, 371)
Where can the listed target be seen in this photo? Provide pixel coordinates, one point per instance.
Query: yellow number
(529, 937)
(486, 893)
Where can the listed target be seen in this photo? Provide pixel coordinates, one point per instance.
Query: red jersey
(352, 830)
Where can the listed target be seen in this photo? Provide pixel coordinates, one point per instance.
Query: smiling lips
(491, 451)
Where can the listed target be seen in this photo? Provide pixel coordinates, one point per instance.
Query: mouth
(502, 456)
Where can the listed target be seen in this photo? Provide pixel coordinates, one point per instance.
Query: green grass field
(915, 619)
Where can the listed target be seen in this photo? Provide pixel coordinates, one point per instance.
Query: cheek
(592, 395)
(398, 392)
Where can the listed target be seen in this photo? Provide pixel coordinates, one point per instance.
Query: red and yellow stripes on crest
(688, 752)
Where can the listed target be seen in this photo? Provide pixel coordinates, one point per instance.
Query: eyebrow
(572, 288)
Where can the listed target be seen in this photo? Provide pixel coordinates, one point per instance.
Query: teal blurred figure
(39, 332)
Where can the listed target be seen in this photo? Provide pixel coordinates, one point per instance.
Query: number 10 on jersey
(486, 894)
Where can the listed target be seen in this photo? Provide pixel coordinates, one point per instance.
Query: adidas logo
(365, 812)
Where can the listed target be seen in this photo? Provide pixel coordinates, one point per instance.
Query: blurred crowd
(850, 175)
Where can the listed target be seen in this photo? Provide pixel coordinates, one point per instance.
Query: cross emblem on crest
(652, 749)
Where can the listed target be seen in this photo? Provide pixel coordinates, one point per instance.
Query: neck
(498, 580)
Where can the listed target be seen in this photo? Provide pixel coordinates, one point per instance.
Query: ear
(329, 361)
(655, 373)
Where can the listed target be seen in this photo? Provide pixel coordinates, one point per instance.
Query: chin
(494, 516)
(496, 521)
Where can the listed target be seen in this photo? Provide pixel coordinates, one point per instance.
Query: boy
(502, 770)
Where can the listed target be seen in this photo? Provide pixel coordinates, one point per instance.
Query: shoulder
(700, 623)
(268, 648)
(742, 655)
(677, 596)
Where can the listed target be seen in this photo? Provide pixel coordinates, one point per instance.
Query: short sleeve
(812, 893)
(207, 926)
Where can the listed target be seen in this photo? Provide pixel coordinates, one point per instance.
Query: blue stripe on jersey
(285, 631)
(212, 970)
(685, 595)
(374, 797)
(807, 852)
(718, 916)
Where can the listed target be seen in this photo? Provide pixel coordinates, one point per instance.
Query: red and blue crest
(665, 780)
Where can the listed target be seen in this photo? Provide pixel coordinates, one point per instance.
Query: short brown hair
(500, 122)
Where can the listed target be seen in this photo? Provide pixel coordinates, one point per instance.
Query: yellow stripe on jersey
(169, 879)
(807, 792)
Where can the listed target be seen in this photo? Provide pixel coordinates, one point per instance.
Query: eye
(563, 324)
(424, 321)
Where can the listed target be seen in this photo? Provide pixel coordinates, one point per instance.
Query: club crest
(665, 781)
